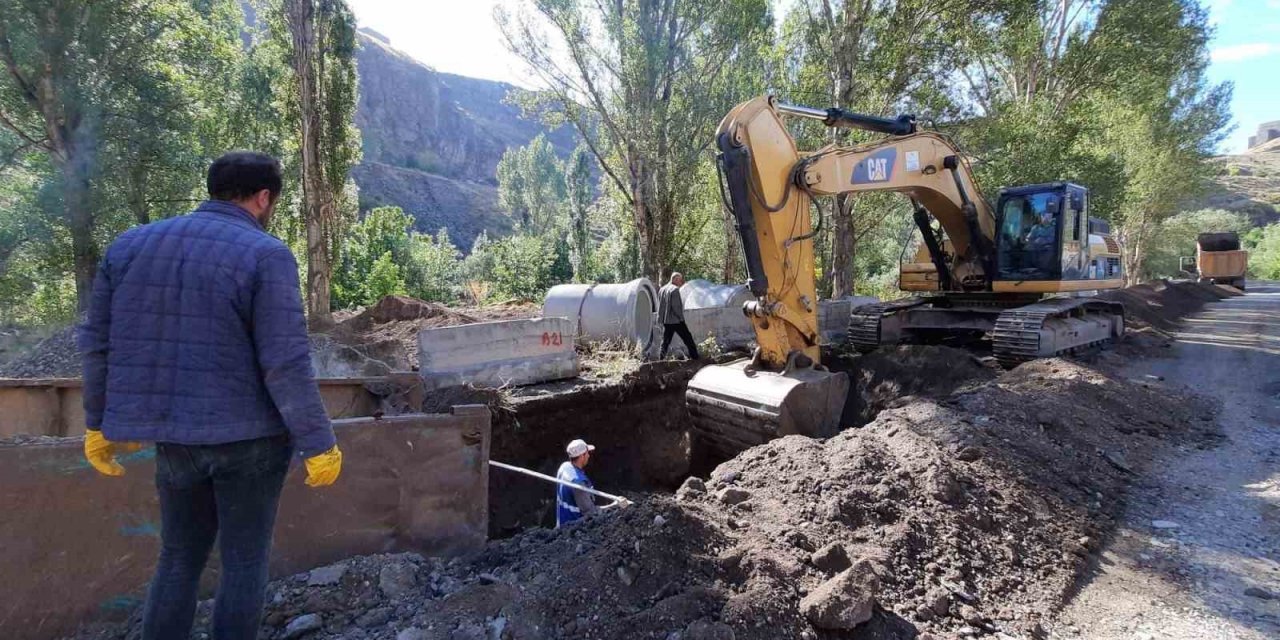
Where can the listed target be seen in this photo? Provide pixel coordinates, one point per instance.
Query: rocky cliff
(432, 142)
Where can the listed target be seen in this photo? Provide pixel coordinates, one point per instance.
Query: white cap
(578, 447)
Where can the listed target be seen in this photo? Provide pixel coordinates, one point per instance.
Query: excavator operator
(1041, 236)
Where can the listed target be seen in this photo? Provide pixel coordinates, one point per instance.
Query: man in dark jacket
(196, 340)
(671, 315)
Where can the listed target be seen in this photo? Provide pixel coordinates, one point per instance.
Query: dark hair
(240, 174)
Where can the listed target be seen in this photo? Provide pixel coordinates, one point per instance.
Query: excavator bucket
(735, 408)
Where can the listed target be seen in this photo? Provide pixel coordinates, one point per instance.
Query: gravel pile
(54, 357)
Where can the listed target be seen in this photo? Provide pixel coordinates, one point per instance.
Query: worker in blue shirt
(572, 504)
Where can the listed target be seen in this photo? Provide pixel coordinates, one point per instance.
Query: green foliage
(579, 195)
(131, 84)
(617, 259)
(1264, 252)
(1108, 93)
(531, 187)
(318, 41)
(381, 256)
(701, 244)
(1175, 238)
(382, 237)
(434, 268)
(518, 267)
(384, 279)
(644, 84)
(383, 233)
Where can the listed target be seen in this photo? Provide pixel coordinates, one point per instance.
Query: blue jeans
(227, 492)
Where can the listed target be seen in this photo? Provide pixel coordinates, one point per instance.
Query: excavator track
(864, 322)
(1053, 327)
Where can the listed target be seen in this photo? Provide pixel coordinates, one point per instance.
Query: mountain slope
(432, 142)
(1249, 183)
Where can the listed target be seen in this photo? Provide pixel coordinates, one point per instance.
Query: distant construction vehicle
(1218, 259)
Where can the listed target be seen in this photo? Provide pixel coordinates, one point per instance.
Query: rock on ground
(845, 601)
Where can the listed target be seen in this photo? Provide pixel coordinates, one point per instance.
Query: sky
(459, 36)
(1246, 51)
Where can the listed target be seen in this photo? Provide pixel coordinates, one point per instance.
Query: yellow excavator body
(980, 270)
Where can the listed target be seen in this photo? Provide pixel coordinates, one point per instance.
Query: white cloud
(1239, 52)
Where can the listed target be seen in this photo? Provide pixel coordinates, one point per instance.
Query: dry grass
(610, 359)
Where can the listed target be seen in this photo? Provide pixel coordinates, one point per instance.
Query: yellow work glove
(101, 453)
(323, 468)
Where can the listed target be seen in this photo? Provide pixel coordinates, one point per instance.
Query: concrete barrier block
(79, 547)
(495, 354)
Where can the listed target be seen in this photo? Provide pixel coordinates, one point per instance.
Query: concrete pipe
(703, 294)
(607, 311)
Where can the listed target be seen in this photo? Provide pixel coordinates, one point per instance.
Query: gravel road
(1197, 555)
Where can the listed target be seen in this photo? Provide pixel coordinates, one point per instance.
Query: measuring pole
(541, 476)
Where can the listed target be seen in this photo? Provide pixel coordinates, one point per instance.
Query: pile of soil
(393, 309)
(372, 342)
(1160, 304)
(54, 357)
(898, 375)
(387, 332)
(965, 516)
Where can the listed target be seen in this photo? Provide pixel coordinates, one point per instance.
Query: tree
(384, 279)
(531, 186)
(872, 57)
(383, 232)
(434, 269)
(1111, 94)
(322, 55)
(644, 82)
(85, 81)
(1264, 252)
(1175, 238)
(516, 267)
(578, 175)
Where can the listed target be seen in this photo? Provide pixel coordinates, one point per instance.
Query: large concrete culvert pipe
(704, 294)
(607, 311)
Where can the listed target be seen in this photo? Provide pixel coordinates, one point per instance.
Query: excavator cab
(1046, 236)
(1031, 224)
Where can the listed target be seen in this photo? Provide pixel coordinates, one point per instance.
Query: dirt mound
(969, 515)
(385, 336)
(403, 309)
(1160, 304)
(893, 376)
(54, 357)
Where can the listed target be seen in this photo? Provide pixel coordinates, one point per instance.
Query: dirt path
(1198, 552)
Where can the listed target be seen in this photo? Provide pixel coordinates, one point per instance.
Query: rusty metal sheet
(77, 547)
(54, 406)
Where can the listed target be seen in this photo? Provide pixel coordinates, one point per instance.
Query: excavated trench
(641, 427)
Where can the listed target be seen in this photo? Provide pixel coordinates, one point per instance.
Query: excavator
(1022, 274)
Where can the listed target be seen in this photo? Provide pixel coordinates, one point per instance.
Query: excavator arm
(770, 186)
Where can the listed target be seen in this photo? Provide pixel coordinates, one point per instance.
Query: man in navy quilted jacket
(196, 340)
